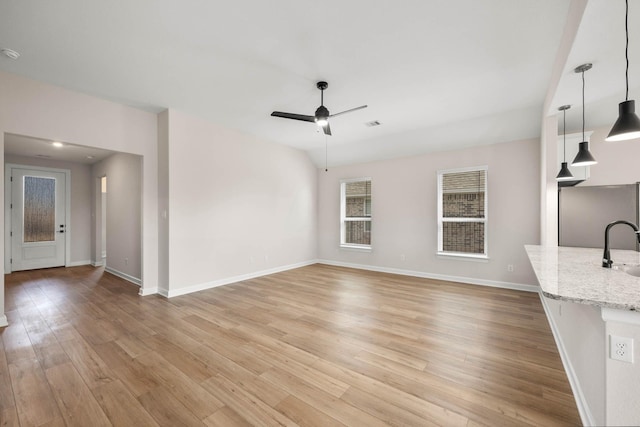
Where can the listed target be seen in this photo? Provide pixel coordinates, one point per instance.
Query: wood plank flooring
(315, 346)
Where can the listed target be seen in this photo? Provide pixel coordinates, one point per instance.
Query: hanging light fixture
(584, 157)
(565, 173)
(628, 124)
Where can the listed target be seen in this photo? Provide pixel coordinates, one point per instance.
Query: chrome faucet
(606, 258)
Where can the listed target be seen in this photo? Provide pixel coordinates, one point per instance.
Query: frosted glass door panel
(39, 209)
(38, 218)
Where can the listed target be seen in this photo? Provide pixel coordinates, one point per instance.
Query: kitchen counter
(577, 275)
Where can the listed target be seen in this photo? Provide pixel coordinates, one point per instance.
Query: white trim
(97, 263)
(424, 275)
(460, 256)
(356, 248)
(79, 263)
(147, 291)
(586, 416)
(343, 213)
(124, 276)
(3, 321)
(441, 219)
(214, 284)
(621, 316)
(7, 211)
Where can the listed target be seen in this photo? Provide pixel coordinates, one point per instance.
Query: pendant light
(628, 124)
(565, 173)
(584, 157)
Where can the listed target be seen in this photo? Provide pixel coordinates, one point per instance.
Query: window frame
(442, 220)
(344, 219)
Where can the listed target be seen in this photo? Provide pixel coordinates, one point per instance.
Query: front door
(38, 223)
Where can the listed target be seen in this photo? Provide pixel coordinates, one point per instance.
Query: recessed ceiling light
(89, 157)
(57, 144)
(10, 53)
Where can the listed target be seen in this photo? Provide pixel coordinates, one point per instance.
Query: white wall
(237, 205)
(124, 212)
(581, 332)
(40, 110)
(404, 213)
(163, 200)
(623, 379)
(79, 226)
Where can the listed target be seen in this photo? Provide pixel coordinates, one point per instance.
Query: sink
(633, 271)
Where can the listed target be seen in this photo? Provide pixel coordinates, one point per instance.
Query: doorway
(36, 217)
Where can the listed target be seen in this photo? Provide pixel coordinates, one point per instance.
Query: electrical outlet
(402, 257)
(621, 348)
(126, 261)
(510, 268)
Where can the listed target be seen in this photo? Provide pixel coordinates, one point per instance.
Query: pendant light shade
(628, 124)
(584, 157)
(565, 173)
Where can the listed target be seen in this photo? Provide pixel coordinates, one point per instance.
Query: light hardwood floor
(316, 346)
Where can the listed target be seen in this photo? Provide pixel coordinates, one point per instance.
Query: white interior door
(38, 219)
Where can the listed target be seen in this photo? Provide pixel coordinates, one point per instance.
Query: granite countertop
(577, 275)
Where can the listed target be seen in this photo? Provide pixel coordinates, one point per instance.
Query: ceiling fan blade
(293, 116)
(327, 129)
(348, 111)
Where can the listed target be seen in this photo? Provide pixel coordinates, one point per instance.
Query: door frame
(8, 167)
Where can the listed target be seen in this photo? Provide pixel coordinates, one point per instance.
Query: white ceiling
(438, 74)
(19, 145)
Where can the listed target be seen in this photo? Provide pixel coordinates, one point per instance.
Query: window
(355, 213)
(462, 212)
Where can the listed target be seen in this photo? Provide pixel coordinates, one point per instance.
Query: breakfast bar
(577, 275)
(588, 308)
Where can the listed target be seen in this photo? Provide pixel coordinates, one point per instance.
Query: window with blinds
(355, 213)
(462, 212)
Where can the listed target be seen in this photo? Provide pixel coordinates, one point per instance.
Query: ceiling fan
(322, 115)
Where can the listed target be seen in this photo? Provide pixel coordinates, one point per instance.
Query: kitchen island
(586, 305)
(577, 275)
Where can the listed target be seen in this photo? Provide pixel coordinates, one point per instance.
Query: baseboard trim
(581, 402)
(147, 291)
(3, 321)
(124, 276)
(97, 263)
(214, 284)
(78, 263)
(424, 275)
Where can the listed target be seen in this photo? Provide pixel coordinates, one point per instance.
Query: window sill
(356, 248)
(462, 256)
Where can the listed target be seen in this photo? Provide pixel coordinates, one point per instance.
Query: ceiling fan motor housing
(322, 113)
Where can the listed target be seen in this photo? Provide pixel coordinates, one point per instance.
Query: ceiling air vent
(373, 123)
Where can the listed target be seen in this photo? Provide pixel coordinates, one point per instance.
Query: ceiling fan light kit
(628, 124)
(322, 114)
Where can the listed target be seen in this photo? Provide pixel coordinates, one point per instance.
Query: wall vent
(373, 123)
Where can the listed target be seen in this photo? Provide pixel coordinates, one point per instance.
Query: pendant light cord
(326, 155)
(626, 47)
(564, 134)
(583, 105)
